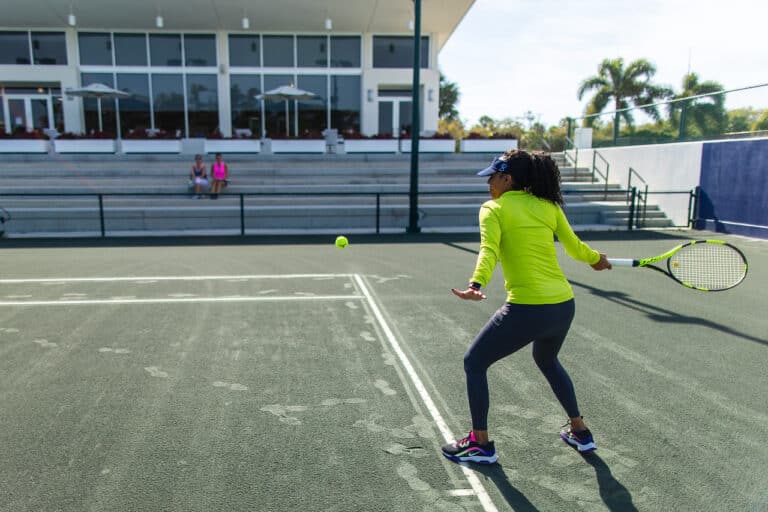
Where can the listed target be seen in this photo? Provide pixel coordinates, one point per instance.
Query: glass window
(168, 102)
(49, 48)
(244, 50)
(397, 52)
(312, 51)
(246, 109)
(345, 51)
(91, 105)
(199, 50)
(278, 51)
(312, 113)
(165, 50)
(14, 48)
(275, 119)
(134, 111)
(345, 103)
(95, 49)
(130, 49)
(202, 104)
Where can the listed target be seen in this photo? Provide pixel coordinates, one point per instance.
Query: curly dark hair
(536, 173)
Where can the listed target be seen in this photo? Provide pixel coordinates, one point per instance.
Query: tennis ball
(341, 242)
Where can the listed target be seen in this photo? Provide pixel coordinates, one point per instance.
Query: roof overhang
(439, 17)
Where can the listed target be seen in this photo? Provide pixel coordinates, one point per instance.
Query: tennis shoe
(582, 440)
(469, 450)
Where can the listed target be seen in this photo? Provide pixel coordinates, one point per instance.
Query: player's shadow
(615, 496)
(658, 314)
(495, 472)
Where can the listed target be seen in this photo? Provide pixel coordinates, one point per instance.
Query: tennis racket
(704, 265)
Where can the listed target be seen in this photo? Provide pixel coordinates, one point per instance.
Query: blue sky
(513, 56)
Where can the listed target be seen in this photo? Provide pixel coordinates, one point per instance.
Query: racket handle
(622, 262)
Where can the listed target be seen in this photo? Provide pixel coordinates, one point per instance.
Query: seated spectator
(220, 172)
(198, 176)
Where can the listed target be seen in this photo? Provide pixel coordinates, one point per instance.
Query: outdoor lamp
(370, 94)
(246, 23)
(410, 24)
(159, 22)
(71, 20)
(328, 24)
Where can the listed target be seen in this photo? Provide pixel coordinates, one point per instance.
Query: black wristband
(475, 285)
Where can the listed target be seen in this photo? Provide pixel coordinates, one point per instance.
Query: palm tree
(625, 87)
(707, 113)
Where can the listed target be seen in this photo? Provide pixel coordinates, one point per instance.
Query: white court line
(477, 486)
(461, 492)
(163, 278)
(177, 300)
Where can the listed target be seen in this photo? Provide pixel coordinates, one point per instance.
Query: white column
(225, 101)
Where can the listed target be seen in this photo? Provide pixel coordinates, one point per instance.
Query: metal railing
(641, 196)
(595, 155)
(104, 212)
(574, 160)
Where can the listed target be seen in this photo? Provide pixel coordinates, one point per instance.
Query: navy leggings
(512, 327)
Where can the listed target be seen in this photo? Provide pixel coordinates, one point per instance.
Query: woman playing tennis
(517, 227)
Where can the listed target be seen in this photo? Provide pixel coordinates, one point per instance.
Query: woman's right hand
(602, 263)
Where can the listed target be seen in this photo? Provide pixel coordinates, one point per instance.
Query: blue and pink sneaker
(469, 450)
(582, 440)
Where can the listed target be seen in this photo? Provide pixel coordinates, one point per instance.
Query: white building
(193, 67)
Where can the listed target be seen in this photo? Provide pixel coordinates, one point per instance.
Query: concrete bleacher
(281, 194)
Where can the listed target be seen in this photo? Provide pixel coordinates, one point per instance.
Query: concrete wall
(734, 187)
(666, 167)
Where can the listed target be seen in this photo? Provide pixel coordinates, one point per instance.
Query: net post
(101, 215)
(242, 216)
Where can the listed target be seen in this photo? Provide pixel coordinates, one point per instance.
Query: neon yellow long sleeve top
(517, 229)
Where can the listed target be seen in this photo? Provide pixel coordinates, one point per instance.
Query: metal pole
(633, 196)
(616, 128)
(101, 214)
(570, 125)
(413, 214)
(242, 216)
(101, 126)
(681, 129)
(378, 213)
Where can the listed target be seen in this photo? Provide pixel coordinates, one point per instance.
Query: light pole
(413, 213)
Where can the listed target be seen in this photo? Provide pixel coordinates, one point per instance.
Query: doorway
(27, 112)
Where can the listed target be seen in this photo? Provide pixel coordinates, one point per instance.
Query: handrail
(546, 145)
(573, 160)
(241, 199)
(596, 154)
(641, 196)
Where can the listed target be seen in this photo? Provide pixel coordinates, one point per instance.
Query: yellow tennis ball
(341, 242)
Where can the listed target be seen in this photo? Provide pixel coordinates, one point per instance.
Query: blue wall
(734, 188)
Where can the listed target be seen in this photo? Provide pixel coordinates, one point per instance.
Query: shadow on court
(658, 314)
(516, 499)
(615, 496)
(613, 493)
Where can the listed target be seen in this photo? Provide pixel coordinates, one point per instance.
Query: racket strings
(709, 266)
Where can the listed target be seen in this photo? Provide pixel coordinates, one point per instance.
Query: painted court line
(477, 486)
(176, 300)
(164, 278)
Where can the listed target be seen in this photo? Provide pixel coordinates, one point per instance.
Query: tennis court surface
(298, 376)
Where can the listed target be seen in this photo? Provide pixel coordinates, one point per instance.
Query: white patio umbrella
(97, 91)
(286, 93)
